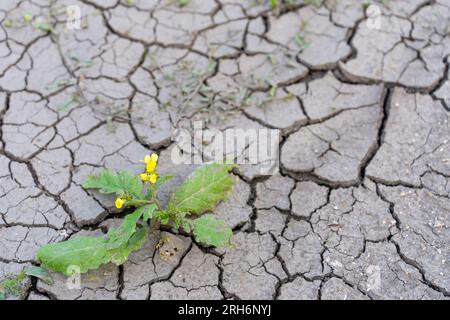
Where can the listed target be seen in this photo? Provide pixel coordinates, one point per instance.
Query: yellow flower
(120, 202)
(146, 177)
(151, 162)
(153, 178)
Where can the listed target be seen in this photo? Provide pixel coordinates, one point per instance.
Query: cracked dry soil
(364, 179)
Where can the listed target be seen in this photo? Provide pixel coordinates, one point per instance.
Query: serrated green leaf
(110, 182)
(86, 253)
(204, 188)
(149, 212)
(162, 216)
(211, 231)
(107, 182)
(75, 255)
(120, 236)
(178, 219)
(39, 273)
(120, 254)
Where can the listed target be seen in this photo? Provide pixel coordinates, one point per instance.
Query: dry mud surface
(360, 206)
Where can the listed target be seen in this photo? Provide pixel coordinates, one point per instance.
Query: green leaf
(183, 2)
(204, 188)
(118, 183)
(162, 216)
(86, 253)
(178, 219)
(273, 4)
(107, 182)
(211, 231)
(273, 89)
(301, 42)
(163, 179)
(66, 105)
(120, 236)
(149, 212)
(12, 286)
(42, 25)
(120, 255)
(40, 273)
(8, 23)
(27, 17)
(187, 225)
(75, 255)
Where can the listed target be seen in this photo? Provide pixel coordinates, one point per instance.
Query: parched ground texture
(360, 207)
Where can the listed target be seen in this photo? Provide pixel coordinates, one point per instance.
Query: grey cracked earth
(360, 207)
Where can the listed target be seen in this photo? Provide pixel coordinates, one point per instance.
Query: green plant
(301, 42)
(42, 25)
(8, 23)
(273, 89)
(199, 194)
(273, 4)
(316, 3)
(27, 17)
(183, 3)
(12, 286)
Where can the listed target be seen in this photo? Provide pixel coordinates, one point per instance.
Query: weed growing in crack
(186, 86)
(13, 286)
(273, 4)
(39, 23)
(8, 23)
(46, 22)
(316, 3)
(199, 194)
(42, 25)
(82, 63)
(26, 19)
(183, 3)
(301, 42)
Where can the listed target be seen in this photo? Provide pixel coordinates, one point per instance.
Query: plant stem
(155, 223)
(155, 198)
(138, 203)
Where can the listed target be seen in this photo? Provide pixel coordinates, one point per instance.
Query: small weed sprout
(13, 285)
